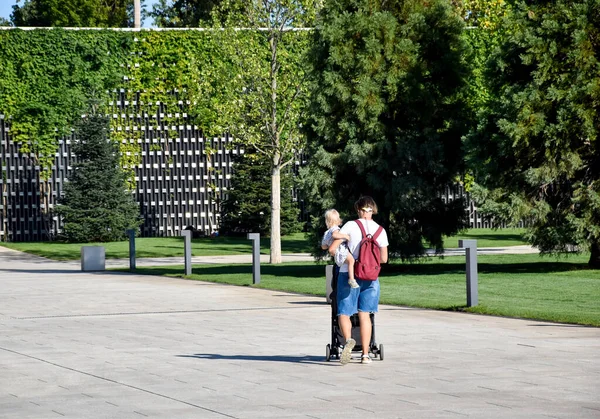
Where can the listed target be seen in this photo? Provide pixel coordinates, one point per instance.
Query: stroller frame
(332, 350)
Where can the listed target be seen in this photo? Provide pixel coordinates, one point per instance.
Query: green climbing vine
(49, 77)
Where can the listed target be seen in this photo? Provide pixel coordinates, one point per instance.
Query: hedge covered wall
(157, 86)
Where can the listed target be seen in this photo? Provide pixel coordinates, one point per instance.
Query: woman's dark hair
(365, 202)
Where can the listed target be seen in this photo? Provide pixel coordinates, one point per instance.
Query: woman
(365, 298)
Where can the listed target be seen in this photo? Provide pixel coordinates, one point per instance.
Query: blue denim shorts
(349, 300)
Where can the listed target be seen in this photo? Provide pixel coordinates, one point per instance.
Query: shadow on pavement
(50, 271)
(269, 358)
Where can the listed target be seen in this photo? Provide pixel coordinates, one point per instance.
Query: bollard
(187, 250)
(471, 256)
(93, 258)
(255, 237)
(131, 234)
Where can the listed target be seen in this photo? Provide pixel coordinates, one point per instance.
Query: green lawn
(487, 237)
(162, 247)
(173, 246)
(524, 286)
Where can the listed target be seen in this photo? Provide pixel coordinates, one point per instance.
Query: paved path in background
(119, 345)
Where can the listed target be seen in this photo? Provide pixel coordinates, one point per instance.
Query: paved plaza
(119, 345)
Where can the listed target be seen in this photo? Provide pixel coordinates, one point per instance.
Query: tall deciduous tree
(264, 84)
(386, 115)
(97, 205)
(74, 13)
(182, 13)
(538, 145)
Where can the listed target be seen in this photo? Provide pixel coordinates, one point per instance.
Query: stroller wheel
(328, 352)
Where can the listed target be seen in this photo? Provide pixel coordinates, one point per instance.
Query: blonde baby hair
(332, 218)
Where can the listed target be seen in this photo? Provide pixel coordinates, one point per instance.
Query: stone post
(255, 237)
(471, 256)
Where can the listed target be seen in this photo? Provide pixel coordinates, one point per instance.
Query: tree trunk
(594, 261)
(137, 13)
(276, 212)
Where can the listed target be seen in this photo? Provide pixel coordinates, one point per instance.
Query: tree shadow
(306, 359)
(485, 268)
(289, 270)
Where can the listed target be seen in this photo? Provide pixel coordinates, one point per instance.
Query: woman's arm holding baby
(338, 235)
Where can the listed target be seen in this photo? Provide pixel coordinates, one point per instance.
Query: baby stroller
(333, 350)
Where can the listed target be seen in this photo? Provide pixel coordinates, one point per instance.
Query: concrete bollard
(255, 237)
(187, 250)
(131, 234)
(93, 258)
(471, 258)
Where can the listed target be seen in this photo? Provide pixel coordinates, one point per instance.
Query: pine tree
(387, 115)
(247, 207)
(537, 146)
(96, 206)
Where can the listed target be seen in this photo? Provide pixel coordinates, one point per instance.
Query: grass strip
(520, 286)
(159, 247)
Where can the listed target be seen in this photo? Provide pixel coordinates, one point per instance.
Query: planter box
(93, 258)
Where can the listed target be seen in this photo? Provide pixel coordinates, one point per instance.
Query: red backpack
(368, 264)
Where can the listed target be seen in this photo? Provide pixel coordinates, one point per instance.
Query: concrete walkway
(117, 345)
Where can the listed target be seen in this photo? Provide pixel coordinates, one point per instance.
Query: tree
(263, 85)
(537, 145)
(182, 13)
(75, 13)
(5, 22)
(247, 208)
(386, 116)
(96, 206)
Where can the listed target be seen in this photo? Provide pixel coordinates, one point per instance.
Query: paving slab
(120, 345)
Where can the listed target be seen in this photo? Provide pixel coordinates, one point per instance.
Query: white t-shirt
(353, 230)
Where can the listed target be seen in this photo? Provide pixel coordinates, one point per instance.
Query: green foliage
(263, 85)
(248, 205)
(537, 144)
(96, 206)
(182, 13)
(74, 13)
(47, 78)
(387, 116)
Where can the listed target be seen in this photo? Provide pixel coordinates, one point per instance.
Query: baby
(342, 254)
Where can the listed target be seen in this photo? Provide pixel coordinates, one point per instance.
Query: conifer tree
(537, 148)
(96, 206)
(247, 207)
(387, 116)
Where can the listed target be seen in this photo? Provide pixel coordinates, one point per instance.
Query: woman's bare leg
(365, 331)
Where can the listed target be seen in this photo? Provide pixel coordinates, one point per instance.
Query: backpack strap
(377, 233)
(364, 233)
(362, 228)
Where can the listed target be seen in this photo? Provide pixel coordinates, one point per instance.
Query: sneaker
(365, 359)
(353, 284)
(347, 351)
